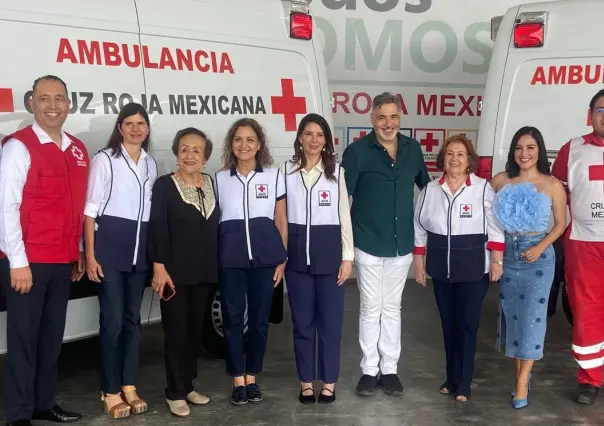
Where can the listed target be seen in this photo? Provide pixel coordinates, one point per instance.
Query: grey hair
(385, 98)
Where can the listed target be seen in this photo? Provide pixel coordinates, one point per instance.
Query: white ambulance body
(201, 63)
(547, 64)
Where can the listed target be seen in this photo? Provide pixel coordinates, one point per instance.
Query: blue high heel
(521, 403)
(513, 393)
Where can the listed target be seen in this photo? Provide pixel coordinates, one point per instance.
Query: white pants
(381, 282)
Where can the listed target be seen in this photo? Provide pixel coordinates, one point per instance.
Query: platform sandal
(130, 397)
(118, 410)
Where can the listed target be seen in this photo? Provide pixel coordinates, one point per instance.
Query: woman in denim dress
(526, 196)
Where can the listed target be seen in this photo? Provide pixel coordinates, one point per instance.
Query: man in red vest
(580, 164)
(43, 179)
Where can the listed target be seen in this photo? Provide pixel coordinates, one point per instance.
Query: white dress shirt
(14, 166)
(310, 178)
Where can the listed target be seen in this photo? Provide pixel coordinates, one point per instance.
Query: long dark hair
(327, 156)
(512, 168)
(116, 138)
(263, 156)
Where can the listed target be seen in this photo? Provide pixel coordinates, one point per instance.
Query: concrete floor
(421, 368)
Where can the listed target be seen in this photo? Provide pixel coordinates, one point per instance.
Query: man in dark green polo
(382, 170)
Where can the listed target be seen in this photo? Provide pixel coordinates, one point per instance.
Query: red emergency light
(529, 30)
(528, 35)
(300, 25)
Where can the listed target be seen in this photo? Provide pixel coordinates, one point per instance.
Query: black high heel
(327, 399)
(307, 399)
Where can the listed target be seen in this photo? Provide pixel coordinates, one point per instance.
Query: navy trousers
(459, 305)
(34, 333)
(317, 305)
(120, 297)
(258, 285)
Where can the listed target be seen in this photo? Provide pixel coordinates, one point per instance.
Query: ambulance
(201, 63)
(547, 64)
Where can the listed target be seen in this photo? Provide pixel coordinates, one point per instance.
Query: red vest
(54, 195)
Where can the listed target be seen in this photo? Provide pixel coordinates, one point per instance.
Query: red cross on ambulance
(288, 104)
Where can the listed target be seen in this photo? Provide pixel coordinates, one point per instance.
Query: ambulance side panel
(495, 90)
(549, 87)
(31, 48)
(268, 76)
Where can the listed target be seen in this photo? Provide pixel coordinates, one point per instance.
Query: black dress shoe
(391, 384)
(57, 415)
(19, 423)
(306, 399)
(327, 399)
(366, 385)
(587, 393)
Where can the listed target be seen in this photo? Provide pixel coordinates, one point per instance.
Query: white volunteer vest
(586, 186)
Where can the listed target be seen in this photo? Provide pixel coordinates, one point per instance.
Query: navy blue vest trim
(265, 239)
(466, 257)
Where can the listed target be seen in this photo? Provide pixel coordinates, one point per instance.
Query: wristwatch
(499, 262)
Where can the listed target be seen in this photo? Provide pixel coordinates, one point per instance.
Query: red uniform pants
(584, 266)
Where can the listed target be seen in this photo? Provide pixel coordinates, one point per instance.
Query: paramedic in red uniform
(43, 174)
(580, 164)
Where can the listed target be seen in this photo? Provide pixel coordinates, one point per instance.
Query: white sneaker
(179, 408)
(197, 399)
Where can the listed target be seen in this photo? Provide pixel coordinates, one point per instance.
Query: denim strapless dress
(524, 214)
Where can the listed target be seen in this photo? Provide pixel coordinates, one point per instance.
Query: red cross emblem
(466, 210)
(429, 142)
(288, 104)
(77, 152)
(596, 172)
(261, 191)
(324, 198)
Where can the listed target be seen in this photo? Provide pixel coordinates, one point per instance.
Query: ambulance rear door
(548, 62)
(209, 63)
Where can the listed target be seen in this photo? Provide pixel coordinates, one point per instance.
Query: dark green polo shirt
(382, 191)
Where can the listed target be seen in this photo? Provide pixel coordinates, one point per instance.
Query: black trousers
(459, 305)
(182, 322)
(34, 334)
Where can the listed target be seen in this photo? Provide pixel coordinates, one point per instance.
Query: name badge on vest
(79, 156)
(261, 191)
(324, 198)
(465, 210)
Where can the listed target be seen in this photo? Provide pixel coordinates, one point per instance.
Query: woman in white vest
(252, 245)
(457, 235)
(115, 231)
(320, 254)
